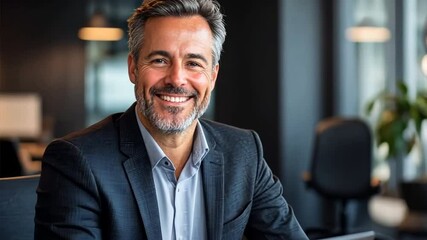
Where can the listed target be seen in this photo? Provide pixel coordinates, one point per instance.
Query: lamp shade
(367, 31)
(424, 64)
(99, 30)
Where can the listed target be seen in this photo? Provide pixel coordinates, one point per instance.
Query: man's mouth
(173, 99)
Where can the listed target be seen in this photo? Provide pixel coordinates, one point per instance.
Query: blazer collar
(138, 170)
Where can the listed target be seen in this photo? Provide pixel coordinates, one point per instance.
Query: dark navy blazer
(97, 184)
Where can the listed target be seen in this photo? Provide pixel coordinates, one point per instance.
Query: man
(157, 171)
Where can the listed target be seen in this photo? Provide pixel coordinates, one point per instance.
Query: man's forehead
(194, 28)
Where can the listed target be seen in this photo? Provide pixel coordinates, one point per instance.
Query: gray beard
(174, 126)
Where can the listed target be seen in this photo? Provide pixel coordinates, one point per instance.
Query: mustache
(173, 90)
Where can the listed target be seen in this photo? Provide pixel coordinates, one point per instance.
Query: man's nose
(177, 76)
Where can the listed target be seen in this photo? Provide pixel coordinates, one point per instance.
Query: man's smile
(174, 99)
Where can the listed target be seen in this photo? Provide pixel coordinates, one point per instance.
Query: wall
(40, 52)
(247, 86)
(305, 88)
(276, 78)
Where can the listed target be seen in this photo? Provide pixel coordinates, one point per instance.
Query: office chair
(341, 164)
(17, 207)
(9, 158)
(414, 225)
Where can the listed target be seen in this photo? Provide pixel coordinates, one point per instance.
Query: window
(108, 88)
(365, 69)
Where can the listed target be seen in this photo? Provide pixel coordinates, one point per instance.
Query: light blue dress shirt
(180, 201)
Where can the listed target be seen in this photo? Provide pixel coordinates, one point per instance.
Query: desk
(393, 212)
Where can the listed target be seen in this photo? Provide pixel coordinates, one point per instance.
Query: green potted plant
(399, 123)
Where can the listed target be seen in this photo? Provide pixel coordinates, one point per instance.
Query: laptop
(368, 235)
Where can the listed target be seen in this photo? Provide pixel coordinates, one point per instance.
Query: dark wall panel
(40, 52)
(247, 85)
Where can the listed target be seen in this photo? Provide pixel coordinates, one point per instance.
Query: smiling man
(174, 75)
(159, 171)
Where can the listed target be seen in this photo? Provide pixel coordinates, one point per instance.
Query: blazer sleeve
(271, 217)
(67, 199)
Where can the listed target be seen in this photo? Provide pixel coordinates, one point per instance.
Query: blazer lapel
(139, 172)
(213, 185)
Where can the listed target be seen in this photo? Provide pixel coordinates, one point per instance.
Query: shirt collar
(155, 153)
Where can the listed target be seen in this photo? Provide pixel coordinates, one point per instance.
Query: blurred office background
(286, 65)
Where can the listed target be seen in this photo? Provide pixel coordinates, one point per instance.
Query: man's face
(174, 75)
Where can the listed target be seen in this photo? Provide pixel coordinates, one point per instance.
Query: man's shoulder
(217, 128)
(224, 134)
(103, 128)
(107, 127)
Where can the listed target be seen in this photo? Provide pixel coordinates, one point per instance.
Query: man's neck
(177, 147)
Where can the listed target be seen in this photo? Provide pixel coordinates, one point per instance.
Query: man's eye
(158, 61)
(194, 64)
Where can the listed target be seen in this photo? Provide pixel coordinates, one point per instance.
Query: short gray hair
(208, 9)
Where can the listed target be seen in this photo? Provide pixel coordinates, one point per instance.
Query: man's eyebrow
(197, 56)
(167, 55)
(158, 52)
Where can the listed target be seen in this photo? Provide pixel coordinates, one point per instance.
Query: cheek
(147, 79)
(202, 81)
(204, 88)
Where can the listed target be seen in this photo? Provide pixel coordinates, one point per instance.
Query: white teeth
(174, 99)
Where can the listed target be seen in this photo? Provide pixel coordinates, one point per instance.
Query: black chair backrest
(341, 164)
(17, 207)
(9, 159)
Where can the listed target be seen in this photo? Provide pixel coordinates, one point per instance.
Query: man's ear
(132, 68)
